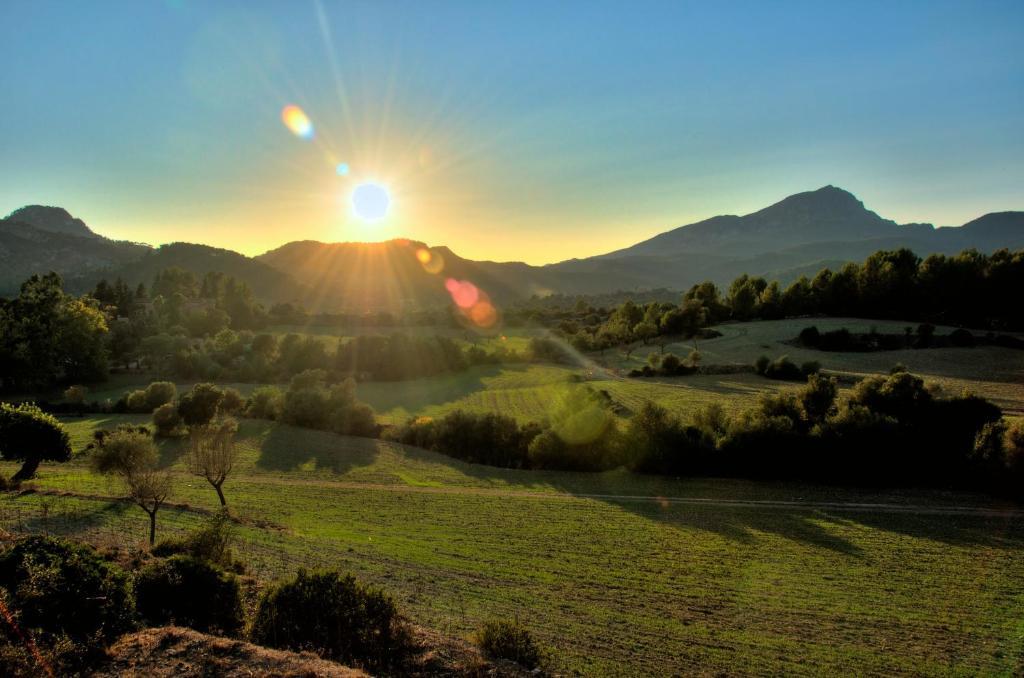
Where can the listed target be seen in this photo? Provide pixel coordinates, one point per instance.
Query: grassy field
(617, 586)
(515, 339)
(993, 372)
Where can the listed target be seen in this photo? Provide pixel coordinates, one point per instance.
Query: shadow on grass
(47, 515)
(286, 448)
(417, 394)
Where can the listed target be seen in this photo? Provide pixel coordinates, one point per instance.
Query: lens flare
(483, 314)
(472, 303)
(296, 120)
(464, 293)
(432, 262)
(342, 169)
(370, 202)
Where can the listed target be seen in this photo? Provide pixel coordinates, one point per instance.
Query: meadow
(990, 371)
(620, 574)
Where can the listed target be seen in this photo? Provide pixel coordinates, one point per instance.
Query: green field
(993, 372)
(673, 576)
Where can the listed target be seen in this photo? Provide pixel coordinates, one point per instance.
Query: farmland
(693, 581)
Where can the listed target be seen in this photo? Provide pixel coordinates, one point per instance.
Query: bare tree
(149, 488)
(212, 453)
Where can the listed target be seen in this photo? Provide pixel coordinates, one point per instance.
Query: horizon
(503, 137)
(486, 257)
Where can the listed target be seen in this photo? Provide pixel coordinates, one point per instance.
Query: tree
(131, 456)
(199, 406)
(212, 454)
(29, 435)
(149, 488)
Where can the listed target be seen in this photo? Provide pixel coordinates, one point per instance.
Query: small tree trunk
(27, 470)
(152, 526)
(220, 493)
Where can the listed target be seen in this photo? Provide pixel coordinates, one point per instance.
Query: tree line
(969, 289)
(893, 430)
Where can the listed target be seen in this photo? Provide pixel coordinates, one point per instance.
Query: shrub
(75, 394)
(190, 592)
(265, 403)
(810, 336)
(160, 393)
(336, 617)
(232, 402)
(136, 402)
(761, 364)
(810, 367)
(670, 363)
(657, 442)
(200, 405)
(961, 338)
(167, 420)
(784, 369)
(210, 542)
(509, 640)
(61, 589)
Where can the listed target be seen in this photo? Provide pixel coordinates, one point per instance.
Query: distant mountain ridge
(797, 235)
(52, 219)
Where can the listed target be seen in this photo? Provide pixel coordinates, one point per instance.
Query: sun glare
(370, 201)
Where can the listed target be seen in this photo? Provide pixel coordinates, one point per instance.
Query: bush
(961, 338)
(810, 367)
(336, 617)
(232, 402)
(167, 421)
(200, 405)
(492, 439)
(75, 394)
(657, 442)
(509, 640)
(210, 542)
(783, 369)
(761, 364)
(265, 403)
(136, 402)
(160, 393)
(190, 592)
(810, 336)
(60, 589)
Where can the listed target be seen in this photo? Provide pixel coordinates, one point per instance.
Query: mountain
(52, 219)
(267, 283)
(796, 236)
(41, 239)
(395, 275)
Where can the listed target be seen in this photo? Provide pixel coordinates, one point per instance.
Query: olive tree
(131, 456)
(211, 453)
(31, 436)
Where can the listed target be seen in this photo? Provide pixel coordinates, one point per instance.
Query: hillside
(359, 277)
(267, 283)
(39, 239)
(797, 235)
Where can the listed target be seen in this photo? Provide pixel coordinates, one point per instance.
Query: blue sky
(505, 130)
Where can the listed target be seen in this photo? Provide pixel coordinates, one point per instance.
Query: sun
(370, 201)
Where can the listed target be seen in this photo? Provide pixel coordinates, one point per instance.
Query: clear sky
(506, 130)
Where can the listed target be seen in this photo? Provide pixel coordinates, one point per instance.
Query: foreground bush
(210, 542)
(64, 595)
(511, 641)
(336, 617)
(189, 592)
